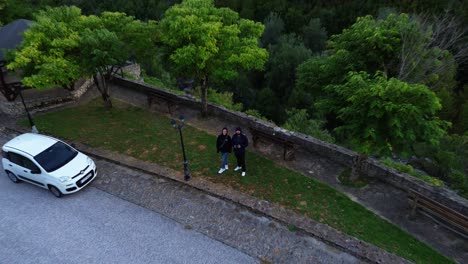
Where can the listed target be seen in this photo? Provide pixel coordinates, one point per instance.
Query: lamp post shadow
(31, 122)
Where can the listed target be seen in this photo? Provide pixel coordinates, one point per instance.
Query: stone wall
(42, 100)
(35, 100)
(337, 154)
(133, 69)
(82, 88)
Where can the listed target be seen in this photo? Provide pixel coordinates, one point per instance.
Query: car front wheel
(56, 192)
(12, 177)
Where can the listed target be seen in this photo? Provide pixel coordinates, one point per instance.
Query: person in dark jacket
(240, 142)
(224, 146)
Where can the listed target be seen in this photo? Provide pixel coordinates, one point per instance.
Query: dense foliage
(209, 43)
(49, 54)
(64, 45)
(299, 120)
(376, 115)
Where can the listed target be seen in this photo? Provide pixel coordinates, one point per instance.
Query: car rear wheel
(12, 177)
(56, 192)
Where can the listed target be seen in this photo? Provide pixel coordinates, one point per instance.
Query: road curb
(360, 249)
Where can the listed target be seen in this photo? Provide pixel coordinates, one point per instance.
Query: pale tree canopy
(209, 43)
(49, 54)
(65, 45)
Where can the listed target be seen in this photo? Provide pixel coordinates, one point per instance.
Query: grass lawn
(149, 136)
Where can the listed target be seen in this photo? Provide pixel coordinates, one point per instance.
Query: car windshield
(55, 156)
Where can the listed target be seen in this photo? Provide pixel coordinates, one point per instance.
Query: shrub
(298, 120)
(129, 76)
(158, 83)
(450, 157)
(459, 182)
(224, 99)
(408, 169)
(256, 113)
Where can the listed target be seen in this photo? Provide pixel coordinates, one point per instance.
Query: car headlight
(64, 178)
(90, 161)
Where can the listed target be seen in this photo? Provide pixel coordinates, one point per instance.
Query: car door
(26, 170)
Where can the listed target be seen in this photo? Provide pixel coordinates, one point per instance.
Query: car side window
(16, 158)
(5, 155)
(23, 162)
(28, 164)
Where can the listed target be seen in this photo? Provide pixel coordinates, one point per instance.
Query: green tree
(299, 120)
(11, 10)
(100, 49)
(268, 104)
(2, 7)
(461, 115)
(274, 28)
(108, 41)
(447, 161)
(137, 38)
(397, 45)
(381, 115)
(64, 45)
(50, 51)
(280, 76)
(209, 43)
(312, 76)
(314, 35)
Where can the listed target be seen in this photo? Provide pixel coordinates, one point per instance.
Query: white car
(48, 163)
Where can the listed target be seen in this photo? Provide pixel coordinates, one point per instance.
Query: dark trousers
(240, 156)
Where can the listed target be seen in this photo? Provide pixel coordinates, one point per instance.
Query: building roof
(11, 35)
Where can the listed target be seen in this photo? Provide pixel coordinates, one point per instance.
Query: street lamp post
(179, 125)
(31, 122)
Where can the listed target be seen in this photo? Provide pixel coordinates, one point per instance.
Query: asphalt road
(93, 226)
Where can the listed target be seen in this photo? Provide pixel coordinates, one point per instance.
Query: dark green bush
(224, 99)
(256, 113)
(408, 169)
(459, 182)
(298, 120)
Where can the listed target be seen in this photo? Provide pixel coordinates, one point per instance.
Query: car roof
(31, 143)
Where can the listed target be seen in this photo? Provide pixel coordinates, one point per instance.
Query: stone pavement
(230, 223)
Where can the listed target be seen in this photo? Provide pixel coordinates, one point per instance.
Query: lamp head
(173, 123)
(181, 118)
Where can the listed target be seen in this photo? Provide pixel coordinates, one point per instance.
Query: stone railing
(43, 100)
(338, 154)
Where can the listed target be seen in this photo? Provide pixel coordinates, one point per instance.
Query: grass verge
(150, 137)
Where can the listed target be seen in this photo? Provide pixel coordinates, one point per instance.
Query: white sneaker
(237, 168)
(221, 170)
(243, 173)
(226, 167)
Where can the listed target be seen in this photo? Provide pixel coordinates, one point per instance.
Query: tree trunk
(204, 97)
(107, 100)
(358, 167)
(101, 85)
(71, 87)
